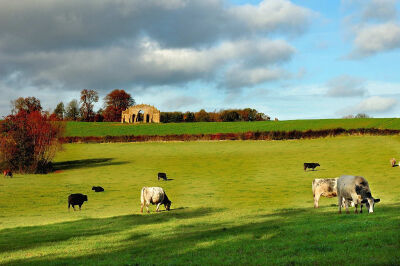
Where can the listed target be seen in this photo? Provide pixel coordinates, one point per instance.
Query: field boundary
(257, 135)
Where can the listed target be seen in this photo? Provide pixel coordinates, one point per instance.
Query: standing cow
(76, 199)
(310, 165)
(154, 195)
(326, 187)
(356, 189)
(393, 162)
(162, 176)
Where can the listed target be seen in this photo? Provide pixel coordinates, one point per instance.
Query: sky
(288, 59)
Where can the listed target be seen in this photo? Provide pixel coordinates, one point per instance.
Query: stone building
(141, 113)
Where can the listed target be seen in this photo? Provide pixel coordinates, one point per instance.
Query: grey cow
(154, 195)
(356, 189)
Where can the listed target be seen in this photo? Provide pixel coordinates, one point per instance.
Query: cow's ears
(364, 201)
(377, 200)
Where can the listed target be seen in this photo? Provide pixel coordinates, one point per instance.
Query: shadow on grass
(288, 237)
(86, 163)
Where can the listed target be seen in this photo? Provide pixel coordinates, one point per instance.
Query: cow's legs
(147, 207)
(80, 207)
(316, 200)
(141, 207)
(346, 205)
(340, 201)
(158, 207)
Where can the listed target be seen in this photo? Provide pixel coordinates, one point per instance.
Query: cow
(76, 199)
(326, 187)
(310, 165)
(7, 173)
(356, 189)
(393, 162)
(163, 176)
(154, 195)
(98, 189)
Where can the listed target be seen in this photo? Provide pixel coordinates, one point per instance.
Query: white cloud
(345, 86)
(373, 39)
(374, 104)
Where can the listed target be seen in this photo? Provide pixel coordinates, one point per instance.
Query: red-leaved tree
(116, 102)
(29, 141)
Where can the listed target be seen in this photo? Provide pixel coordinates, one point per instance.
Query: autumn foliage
(116, 102)
(29, 141)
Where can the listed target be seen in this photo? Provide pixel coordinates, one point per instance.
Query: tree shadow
(286, 237)
(33, 236)
(85, 163)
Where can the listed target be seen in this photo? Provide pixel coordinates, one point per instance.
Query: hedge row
(265, 135)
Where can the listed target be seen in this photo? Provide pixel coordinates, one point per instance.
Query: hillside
(84, 129)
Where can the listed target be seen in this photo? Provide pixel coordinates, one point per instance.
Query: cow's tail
(313, 188)
(142, 195)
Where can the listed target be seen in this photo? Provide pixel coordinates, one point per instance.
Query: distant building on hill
(141, 113)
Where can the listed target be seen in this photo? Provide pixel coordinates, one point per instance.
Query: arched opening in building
(132, 120)
(140, 116)
(147, 118)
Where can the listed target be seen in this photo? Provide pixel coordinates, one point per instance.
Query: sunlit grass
(242, 202)
(117, 129)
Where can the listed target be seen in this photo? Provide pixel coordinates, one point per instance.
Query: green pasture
(84, 129)
(233, 202)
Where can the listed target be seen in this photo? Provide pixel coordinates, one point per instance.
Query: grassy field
(242, 202)
(84, 129)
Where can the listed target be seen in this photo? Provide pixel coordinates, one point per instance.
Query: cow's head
(370, 203)
(167, 205)
(85, 198)
(317, 164)
(93, 188)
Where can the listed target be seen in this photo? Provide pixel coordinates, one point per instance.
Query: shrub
(29, 141)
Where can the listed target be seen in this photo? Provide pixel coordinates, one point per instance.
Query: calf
(98, 189)
(76, 199)
(356, 189)
(326, 187)
(154, 195)
(393, 162)
(310, 165)
(7, 173)
(163, 176)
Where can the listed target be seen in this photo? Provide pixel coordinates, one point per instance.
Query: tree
(72, 111)
(59, 111)
(28, 104)
(202, 116)
(189, 117)
(115, 102)
(29, 141)
(88, 98)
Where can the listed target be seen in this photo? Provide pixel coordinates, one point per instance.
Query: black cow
(310, 165)
(7, 173)
(163, 176)
(98, 189)
(76, 199)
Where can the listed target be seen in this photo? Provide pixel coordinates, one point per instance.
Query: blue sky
(288, 59)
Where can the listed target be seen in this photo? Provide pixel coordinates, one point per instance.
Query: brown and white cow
(393, 162)
(154, 195)
(356, 189)
(326, 187)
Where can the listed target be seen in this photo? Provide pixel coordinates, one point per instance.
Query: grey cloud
(346, 86)
(381, 10)
(143, 64)
(180, 102)
(53, 25)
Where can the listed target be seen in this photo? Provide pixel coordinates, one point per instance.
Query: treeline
(230, 115)
(265, 135)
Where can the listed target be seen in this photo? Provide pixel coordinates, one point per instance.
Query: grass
(242, 202)
(85, 129)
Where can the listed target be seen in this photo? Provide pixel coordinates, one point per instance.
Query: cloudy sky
(289, 59)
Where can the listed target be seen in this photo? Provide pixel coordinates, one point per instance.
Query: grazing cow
(310, 165)
(7, 173)
(326, 187)
(154, 195)
(76, 199)
(356, 189)
(393, 162)
(98, 189)
(163, 176)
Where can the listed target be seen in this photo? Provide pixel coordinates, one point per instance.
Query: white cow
(356, 189)
(154, 195)
(326, 187)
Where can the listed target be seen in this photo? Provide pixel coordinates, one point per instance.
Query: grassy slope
(243, 202)
(116, 129)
